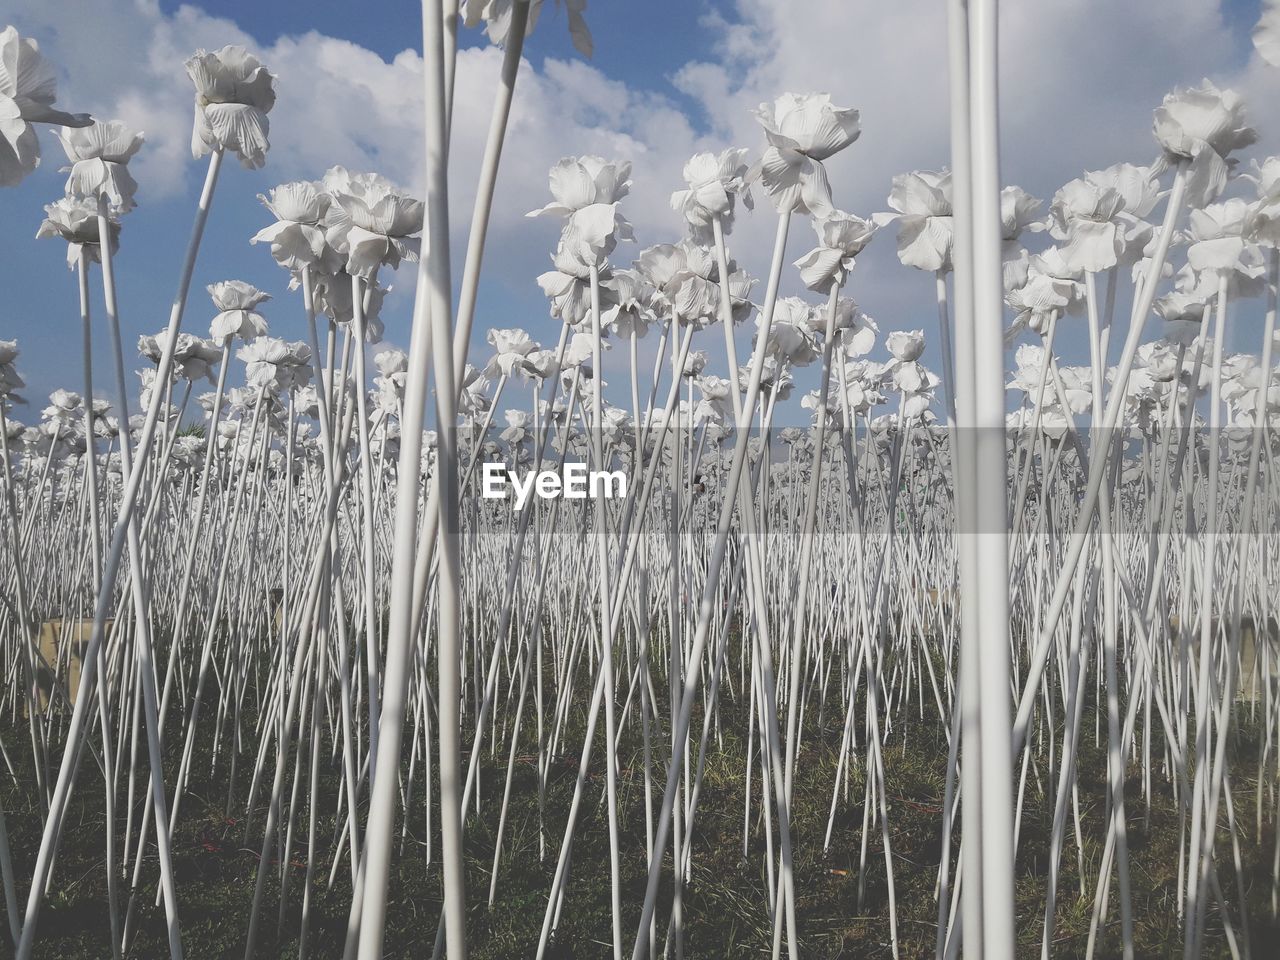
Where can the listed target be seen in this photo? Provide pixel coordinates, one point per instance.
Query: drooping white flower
(194, 358)
(634, 307)
(1183, 314)
(568, 287)
(266, 362)
(921, 203)
(28, 89)
(905, 345)
(578, 182)
(10, 381)
(1019, 212)
(686, 277)
(371, 222)
(496, 15)
(297, 237)
(841, 238)
(695, 363)
(76, 221)
(1203, 125)
(510, 346)
(333, 298)
(1266, 34)
(714, 181)
(237, 317)
(99, 154)
(1221, 235)
(234, 94)
(791, 332)
(855, 331)
(803, 131)
(592, 233)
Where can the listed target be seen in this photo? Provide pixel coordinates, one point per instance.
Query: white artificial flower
(234, 94)
(28, 89)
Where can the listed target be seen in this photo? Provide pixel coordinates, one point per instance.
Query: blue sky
(669, 77)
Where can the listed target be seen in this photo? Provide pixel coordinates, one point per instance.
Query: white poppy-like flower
(841, 238)
(1052, 287)
(633, 311)
(686, 277)
(1183, 314)
(694, 363)
(266, 360)
(28, 89)
(1159, 359)
(62, 405)
(568, 287)
(1266, 33)
(234, 94)
(10, 381)
(1266, 215)
(496, 15)
(1019, 211)
(790, 334)
(578, 182)
(802, 131)
(921, 203)
(195, 358)
(236, 302)
(76, 221)
(775, 378)
(518, 426)
(297, 237)
(333, 299)
(371, 222)
(855, 331)
(1098, 217)
(1077, 389)
(1137, 186)
(541, 365)
(716, 403)
(917, 382)
(714, 181)
(510, 346)
(592, 233)
(1029, 360)
(580, 353)
(1221, 235)
(905, 345)
(1203, 125)
(99, 154)
(1084, 216)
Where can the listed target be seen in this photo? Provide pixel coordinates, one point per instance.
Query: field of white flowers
(982, 661)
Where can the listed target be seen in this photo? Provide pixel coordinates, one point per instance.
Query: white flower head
(578, 182)
(28, 89)
(297, 237)
(76, 221)
(921, 203)
(841, 238)
(1203, 125)
(99, 154)
(234, 94)
(803, 131)
(905, 345)
(371, 222)
(237, 303)
(714, 180)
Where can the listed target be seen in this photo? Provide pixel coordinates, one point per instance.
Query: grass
(724, 902)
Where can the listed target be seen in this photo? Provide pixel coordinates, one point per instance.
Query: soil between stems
(725, 901)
